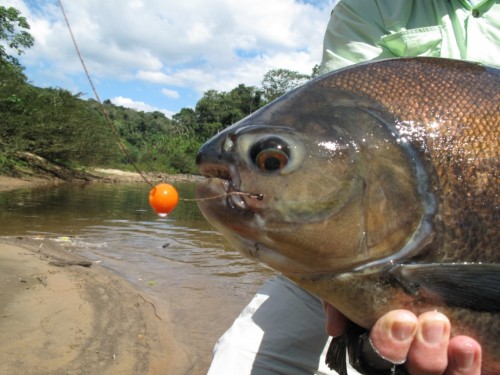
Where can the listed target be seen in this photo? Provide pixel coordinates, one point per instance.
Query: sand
(10, 183)
(93, 175)
(65, 318)
(58, 316)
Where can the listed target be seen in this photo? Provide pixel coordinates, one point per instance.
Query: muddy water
(180, 260)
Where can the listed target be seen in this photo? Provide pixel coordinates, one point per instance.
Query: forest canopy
(67, 130)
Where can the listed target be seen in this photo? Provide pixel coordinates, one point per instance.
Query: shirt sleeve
(281, 331)
(356, 30)
(352, 36)
(361, 30)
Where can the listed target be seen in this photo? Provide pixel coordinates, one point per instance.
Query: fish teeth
(235, 199)
(237, 202)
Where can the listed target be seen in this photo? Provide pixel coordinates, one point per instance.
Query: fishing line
(103, 109)
(257, 196)
(114, 130)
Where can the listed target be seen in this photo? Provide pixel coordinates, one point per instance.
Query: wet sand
(58, 316)
(77, 320)
(10, 183)
(94, 175)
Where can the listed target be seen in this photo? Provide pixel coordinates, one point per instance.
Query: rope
(122, 147)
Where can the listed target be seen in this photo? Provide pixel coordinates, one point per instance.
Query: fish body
(374, 187)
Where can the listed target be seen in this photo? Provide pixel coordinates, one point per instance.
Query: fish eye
(270, 154)
(271, 150)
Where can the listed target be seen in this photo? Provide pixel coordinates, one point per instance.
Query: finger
(464, 356)
(393, 333)
(429, 351)
(336, 322)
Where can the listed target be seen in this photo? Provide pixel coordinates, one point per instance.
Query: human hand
(422, 342)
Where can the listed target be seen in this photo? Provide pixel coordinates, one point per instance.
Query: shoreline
(79, 320)
(11, 183)
(98, 175)
(58, 316)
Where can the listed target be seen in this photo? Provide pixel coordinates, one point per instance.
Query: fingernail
(433, 331)
(402, 331)
(465, 360)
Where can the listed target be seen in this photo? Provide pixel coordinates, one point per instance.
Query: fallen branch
(65, 263)
(152, 304)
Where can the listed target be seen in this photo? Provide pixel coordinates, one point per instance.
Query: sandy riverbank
(10, 183)
(96, 175)
(58, 316)
(73, 319)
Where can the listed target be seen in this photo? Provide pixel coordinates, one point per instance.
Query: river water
(180, 260)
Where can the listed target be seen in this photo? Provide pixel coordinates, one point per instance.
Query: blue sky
(163, 54)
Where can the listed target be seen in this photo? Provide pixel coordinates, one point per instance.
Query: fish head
(306, 186)
(375, 188)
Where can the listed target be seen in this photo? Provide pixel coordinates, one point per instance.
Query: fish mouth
(227, 181)
(235, 198)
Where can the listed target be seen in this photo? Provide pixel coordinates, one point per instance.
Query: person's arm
(361, 31)
(422, 342)
(353, 34)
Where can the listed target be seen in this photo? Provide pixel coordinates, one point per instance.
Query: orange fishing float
(163, 198)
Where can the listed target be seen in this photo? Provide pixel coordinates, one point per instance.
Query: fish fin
(336, 354)
(363, 357)
(468, 285)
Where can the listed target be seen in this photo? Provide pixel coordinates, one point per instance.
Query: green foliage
(184, 122)
(217, 110)
(12, 35)
(172, 154)
(52, 123)
(315, 71)
(154, 142)
(69, 131)
(278, 82)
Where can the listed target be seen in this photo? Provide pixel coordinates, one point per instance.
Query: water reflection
(179, 259)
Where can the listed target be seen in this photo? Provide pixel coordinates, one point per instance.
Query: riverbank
(11, 183)
(188, 304)
(61, 314)
(102, 175)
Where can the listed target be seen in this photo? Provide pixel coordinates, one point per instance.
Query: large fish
(374, 187)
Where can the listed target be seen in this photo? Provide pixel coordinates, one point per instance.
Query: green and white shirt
(361, 30)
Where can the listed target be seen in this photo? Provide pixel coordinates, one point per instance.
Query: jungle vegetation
(67, 130)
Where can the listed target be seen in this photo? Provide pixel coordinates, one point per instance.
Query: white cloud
(196, 44)
(170, 93)
(156, 77)
(169, 32)
(138, 105)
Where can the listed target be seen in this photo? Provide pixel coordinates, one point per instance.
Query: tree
(61, 127)
(246, 99)
(12, 35)
(184, 122)
(217, 110)
(12, 81)
(278, 82)
(315, 71)
(212, 112)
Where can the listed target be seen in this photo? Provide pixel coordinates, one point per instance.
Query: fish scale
(381, 191)
(467, 133)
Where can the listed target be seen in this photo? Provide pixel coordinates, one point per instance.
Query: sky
(162, 55)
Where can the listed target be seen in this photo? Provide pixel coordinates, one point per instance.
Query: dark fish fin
(336, 355)
(474, 286)
(362, 356)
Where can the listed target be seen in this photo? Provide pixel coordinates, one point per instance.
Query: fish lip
(213, 170)
(234, 197)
